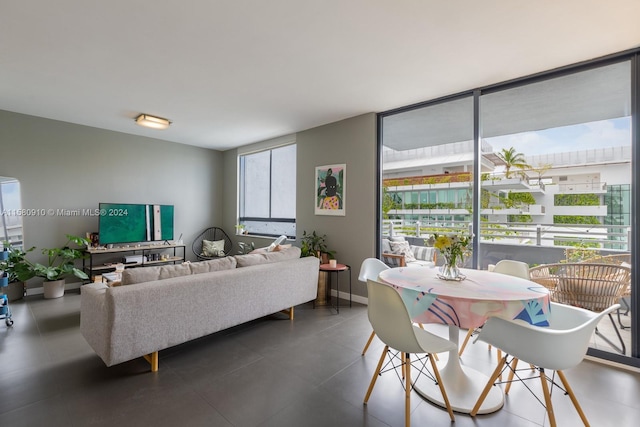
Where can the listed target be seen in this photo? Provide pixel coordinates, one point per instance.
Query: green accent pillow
(212, 248)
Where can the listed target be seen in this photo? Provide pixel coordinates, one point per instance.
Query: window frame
(247, 224)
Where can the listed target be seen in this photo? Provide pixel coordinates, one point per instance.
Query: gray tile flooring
(270, 372)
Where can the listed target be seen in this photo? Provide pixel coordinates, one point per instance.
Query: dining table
(466, 303)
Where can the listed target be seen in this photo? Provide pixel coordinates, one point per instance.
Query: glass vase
(450, 270)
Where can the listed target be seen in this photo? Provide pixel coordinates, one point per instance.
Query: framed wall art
(330, 190)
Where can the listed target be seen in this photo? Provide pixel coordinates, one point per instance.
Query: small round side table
(339, 268)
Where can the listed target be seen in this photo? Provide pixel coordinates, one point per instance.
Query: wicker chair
(211, 234)
(591, 286)
(623, 259)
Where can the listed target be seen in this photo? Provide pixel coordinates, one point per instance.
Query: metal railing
(597, 236)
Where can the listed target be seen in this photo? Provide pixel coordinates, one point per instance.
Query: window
(267, 192)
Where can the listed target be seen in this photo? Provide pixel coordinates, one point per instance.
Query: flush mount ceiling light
(152, 121)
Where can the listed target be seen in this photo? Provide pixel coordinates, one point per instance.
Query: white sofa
(160, 307)
(397, 252)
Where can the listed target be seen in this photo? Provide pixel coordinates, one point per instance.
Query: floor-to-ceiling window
(428, 169)
(564, 150)
(554, 161)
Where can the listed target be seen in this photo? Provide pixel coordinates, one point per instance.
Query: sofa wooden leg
(288, 312)
(153, 360)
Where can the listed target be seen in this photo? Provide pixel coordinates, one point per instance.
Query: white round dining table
(466, 304)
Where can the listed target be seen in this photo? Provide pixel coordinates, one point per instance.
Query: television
(134, 223)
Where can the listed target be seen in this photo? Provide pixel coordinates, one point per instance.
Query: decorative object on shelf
(330, 190)
(453, 248)
(241, 229)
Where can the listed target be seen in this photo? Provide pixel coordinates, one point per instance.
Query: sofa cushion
(211, 248)
(403, 248)
(267, 257)
(226, 263)
(132, 276)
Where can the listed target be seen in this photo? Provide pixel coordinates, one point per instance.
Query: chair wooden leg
(485, 392)
(366, 346)
(466, 340)
(403, 365)
(573, 397)
(407, 391)
(547, 398)
(376, 373)
(436, 372)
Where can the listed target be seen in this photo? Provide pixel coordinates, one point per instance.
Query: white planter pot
(53, 289)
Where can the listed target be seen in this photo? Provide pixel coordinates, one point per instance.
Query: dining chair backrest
(392, 324)
(512, 268)
(371, 268)
(559, 346)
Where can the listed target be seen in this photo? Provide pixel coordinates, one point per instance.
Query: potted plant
(245, 247)
(60, 263)
(315, 245)
(16, 269)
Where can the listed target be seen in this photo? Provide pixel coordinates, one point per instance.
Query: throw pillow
(403, 248)
(213, 248)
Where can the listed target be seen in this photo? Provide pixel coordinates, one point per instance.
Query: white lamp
(152, 121)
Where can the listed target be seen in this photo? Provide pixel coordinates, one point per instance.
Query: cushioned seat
(397, 252)
(212, 243)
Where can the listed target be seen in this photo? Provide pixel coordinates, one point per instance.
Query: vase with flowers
(454, 248)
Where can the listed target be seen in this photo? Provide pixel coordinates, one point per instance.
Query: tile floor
(270, 372)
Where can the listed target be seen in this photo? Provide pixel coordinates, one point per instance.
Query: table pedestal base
(462, 384)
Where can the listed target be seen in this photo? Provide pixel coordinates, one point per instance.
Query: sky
(584, 136)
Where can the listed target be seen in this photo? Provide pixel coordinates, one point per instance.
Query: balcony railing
(596, 236)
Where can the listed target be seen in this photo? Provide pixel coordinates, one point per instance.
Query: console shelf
(91, 265)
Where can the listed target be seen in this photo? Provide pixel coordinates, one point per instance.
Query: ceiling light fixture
(152, 121)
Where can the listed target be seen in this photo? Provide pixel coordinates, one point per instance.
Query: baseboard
(355, 298)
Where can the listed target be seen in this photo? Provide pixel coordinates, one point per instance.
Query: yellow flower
(442, 242)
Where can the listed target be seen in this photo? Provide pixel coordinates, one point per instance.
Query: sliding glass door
(560, 193)
(552, 157)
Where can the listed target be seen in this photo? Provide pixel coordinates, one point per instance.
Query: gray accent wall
(67, 166)
(353, 142)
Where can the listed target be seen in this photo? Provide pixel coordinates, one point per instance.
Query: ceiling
(229, 73)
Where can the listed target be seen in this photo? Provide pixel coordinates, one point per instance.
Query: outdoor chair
(392, 324)
(594, 287)
(623, 259)
(398, 252)
(212, 234)
(560, 346)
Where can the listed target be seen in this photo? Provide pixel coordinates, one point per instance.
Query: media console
(101, 260)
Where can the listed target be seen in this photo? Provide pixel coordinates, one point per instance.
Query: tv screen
(131, 223)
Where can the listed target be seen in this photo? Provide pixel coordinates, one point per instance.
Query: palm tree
(512, 159)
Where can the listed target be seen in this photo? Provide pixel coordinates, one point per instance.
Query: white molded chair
(561, 345)
(506, 266)
(391, 322)
(370, 269)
